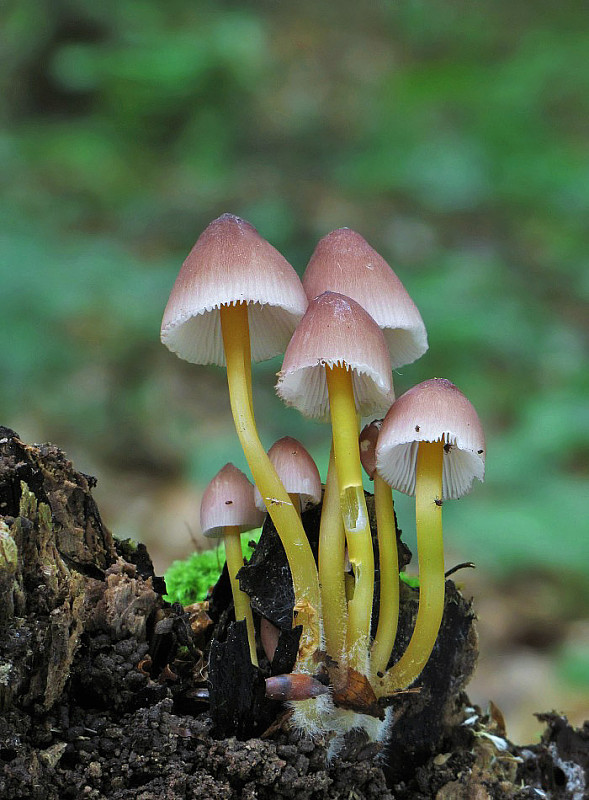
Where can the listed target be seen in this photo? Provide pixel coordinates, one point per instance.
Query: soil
(109, 692)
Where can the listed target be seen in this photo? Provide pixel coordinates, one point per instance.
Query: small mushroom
(227, 509)
(367, 443)
(337, 364)
(432, 445)
(297, 471)
(233, 288)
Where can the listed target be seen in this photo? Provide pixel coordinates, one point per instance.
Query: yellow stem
(247, 367)
(241, 601)
(430, 551)
(349, 584)
(388, 614)
(354, 512)
(234, 325)
(295, 499)
(332, 548)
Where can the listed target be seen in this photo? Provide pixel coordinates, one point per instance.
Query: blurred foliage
(453, 136)
(573, 664)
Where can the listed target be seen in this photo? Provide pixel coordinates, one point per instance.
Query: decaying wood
(104, 687)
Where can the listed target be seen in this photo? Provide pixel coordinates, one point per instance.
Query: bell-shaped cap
(230, 264)
(297, 471)
(432, 411)
(336, 331)
(367, 442)
(344, 262)
(227, 501)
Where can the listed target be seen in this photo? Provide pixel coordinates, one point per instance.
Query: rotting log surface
(104, 693)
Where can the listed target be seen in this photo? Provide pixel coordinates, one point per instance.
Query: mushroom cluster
(342, 330)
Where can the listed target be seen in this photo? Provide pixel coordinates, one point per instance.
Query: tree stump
(105, 689)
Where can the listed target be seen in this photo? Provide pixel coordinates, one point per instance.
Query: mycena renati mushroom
(432, 445)
(235, 299)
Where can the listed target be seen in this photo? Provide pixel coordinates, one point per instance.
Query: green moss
(410, 580)
(189, 581)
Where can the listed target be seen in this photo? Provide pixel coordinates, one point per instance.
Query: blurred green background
(452, 135)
